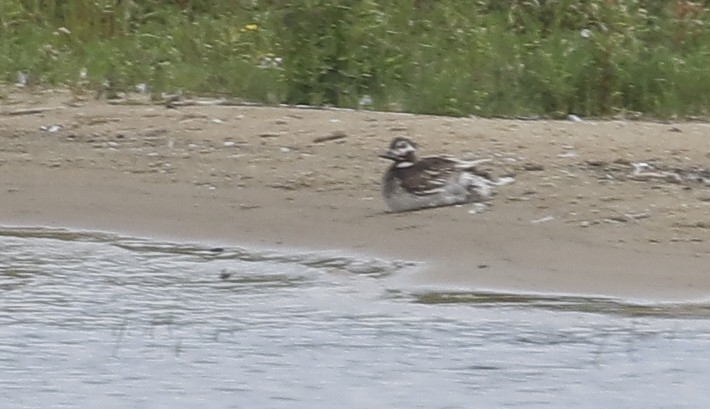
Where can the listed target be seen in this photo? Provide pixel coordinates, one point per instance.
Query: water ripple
(98, 320)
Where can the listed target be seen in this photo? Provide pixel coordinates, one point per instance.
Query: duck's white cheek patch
(404, 164)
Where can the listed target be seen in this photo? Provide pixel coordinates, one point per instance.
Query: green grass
(456, 57)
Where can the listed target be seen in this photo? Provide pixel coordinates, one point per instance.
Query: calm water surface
(99, 321)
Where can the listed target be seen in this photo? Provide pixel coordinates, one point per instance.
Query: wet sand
(576, 220)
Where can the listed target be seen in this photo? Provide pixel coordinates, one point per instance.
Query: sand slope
(576, 220)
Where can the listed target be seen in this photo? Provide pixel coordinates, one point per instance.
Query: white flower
(585, 33)
(365, 100)
(270, 62)
(141, 87)
(22, 79)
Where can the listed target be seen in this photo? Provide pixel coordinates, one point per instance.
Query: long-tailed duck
(432, 181)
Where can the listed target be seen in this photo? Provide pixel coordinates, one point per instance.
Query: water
(100, 321)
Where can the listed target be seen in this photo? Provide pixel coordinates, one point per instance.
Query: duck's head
(400, 150)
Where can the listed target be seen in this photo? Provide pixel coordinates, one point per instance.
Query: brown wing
(472, 167)
(427, 176)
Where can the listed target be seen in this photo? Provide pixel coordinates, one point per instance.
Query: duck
(413, 183)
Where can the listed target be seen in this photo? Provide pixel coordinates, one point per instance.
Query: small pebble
(50, 128)
(543, 220)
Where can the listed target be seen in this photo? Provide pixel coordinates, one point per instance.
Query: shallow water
(100, 321)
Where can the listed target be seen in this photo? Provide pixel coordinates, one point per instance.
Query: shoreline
(574, 222)
(406, 268)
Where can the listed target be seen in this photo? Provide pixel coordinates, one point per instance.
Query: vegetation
(454, 57)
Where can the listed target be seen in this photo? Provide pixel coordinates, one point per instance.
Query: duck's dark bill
(388, 155)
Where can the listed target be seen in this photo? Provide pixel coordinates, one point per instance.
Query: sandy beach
(616, 208)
